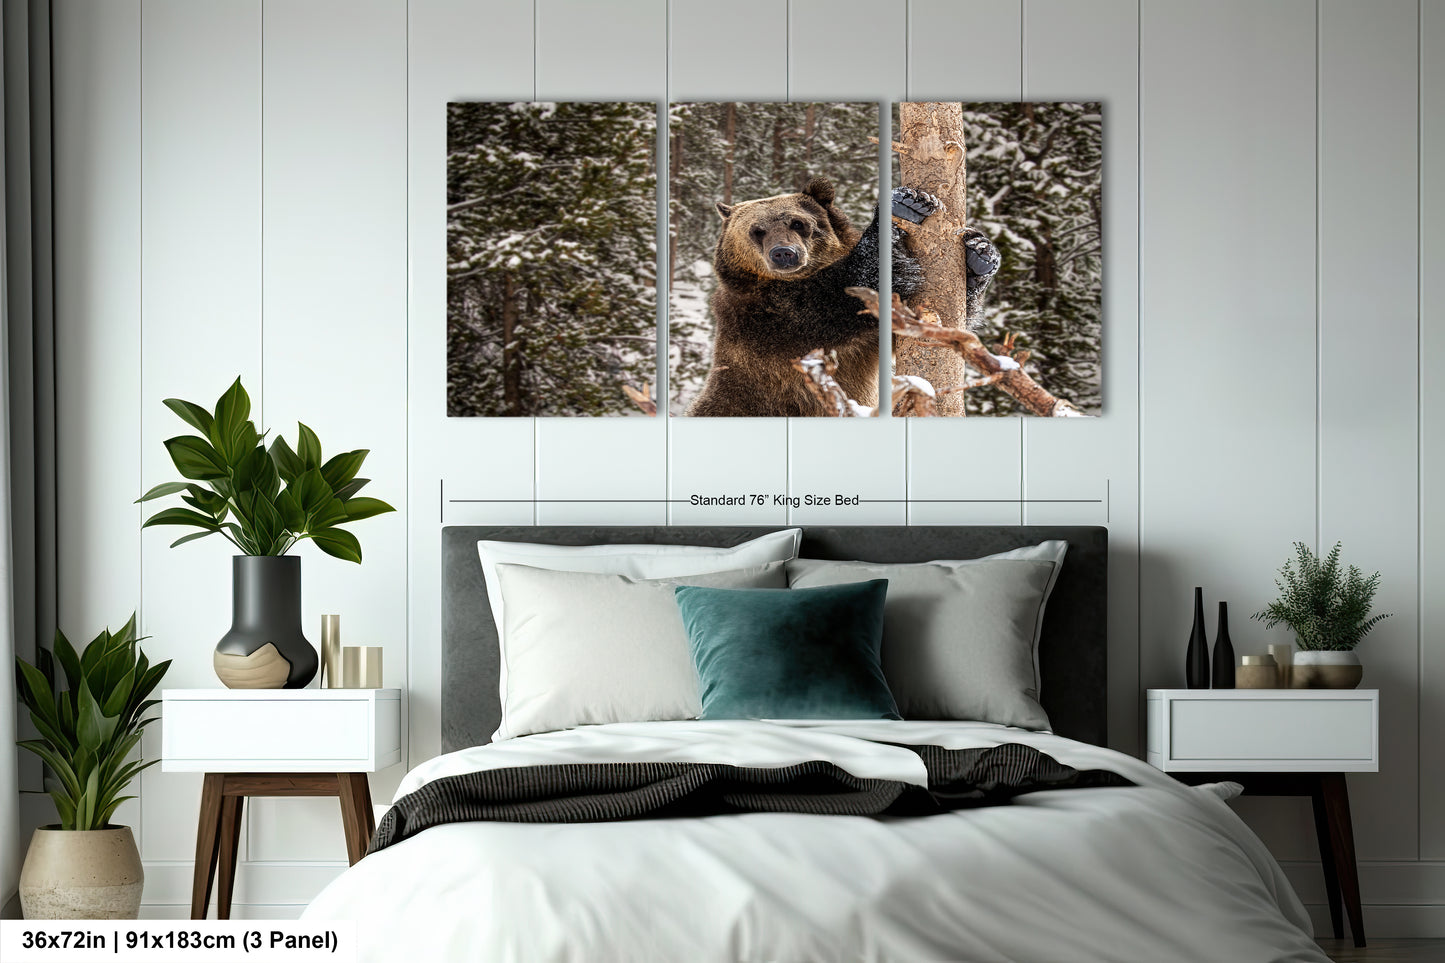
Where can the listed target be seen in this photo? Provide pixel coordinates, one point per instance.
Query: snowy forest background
(732, 152)
(551, 257)
(1035, 187)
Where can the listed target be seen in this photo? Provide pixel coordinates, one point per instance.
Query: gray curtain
(27, 400)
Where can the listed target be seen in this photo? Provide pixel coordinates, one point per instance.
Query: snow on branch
(818, 371)
(1002, 367)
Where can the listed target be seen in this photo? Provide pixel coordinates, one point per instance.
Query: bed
(1135, 867)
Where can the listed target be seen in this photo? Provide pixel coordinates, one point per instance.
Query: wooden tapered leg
(207, 839)
(356, 815)
(1327, 861)
(1342, 841)
(231, 809)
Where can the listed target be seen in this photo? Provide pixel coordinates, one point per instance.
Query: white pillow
(635, 561)
(584, 648)
(1052, 550)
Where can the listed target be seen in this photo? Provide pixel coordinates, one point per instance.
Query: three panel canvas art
(773, 259)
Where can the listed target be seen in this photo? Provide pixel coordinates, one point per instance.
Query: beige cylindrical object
(361, 667)
(1256, 672)
(82, 875)
(1283, 653)
(331, 651)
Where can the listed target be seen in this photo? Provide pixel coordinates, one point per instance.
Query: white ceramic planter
(1326, 670)
(91, 875)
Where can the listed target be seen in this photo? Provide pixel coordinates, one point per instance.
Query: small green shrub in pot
(1328, 607)
(85, 868)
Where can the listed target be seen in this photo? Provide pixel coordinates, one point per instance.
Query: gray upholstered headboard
(1072, 650)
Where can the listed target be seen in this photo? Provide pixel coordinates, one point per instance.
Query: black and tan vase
(265, 648)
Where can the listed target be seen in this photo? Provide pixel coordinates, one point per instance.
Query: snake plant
(89, 727)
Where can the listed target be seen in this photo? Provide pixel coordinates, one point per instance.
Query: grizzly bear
(782, 265)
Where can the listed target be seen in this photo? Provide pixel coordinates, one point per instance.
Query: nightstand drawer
(1264, 730)
(304, 730)
(267, 730)
(1329, 731)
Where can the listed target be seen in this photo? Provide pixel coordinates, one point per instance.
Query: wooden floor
(1386, 951)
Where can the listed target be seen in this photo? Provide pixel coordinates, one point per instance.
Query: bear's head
(788, 236)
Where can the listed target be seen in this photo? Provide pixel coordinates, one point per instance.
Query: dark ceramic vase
(1196, 659)
(1223, 651)
(265, 648)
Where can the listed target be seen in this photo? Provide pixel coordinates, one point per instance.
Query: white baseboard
(258, 884)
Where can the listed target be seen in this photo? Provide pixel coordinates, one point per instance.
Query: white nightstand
(1278, 742)
(275, 742)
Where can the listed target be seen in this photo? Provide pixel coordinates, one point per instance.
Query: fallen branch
(818, 370)
(1004, 369)
(642, 399)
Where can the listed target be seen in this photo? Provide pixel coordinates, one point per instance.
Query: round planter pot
(1325, 670)
(265, 648)
(94, 874)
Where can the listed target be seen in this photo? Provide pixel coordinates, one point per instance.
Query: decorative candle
(331, 651)
(1257, 672)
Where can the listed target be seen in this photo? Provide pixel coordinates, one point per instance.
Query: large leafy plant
(89, 727)
(1326, 605)
(264, 501)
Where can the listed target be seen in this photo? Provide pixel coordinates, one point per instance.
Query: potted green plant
(85, 868)
(264, 501)
(1328, 607)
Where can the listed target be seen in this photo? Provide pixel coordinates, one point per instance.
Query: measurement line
(865, 501)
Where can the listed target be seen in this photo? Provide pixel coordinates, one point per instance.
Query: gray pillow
(583, 648)
(958, 637)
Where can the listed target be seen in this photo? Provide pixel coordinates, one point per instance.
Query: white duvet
(1156, 873)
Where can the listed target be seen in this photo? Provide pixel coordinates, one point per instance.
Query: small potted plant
(1328, 607)
(265, 502)
(84, 868)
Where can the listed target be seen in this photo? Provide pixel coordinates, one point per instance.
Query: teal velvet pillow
(809, 653)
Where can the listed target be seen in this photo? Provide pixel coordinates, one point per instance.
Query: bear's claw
(982, 257)
(914, 205)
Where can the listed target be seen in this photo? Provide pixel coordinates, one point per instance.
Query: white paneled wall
(200, 139)
(334, 332)
(256, 188)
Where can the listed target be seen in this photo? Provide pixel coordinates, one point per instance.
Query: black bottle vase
(265, 648)
(1223, 651)
(1196, 659)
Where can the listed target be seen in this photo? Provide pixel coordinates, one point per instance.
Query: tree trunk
(932, 159)
(674, 163)
(511, 356)
(730, 133)
(778, 148)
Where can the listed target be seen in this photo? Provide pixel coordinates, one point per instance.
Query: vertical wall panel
(200, 326)
(1091, 52)
(97, 222)
(97, 310)
(939, 33)
(718, 456)
(847, 456)
(1225, 270)
(477, 458)
(965, 473)
(1369, 441)
(1227, 280)
(334, 249)
(1430, 763)
(601, 470)
(847, 49)
(729, 51)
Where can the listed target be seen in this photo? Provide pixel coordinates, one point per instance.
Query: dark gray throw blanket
(597, 792)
